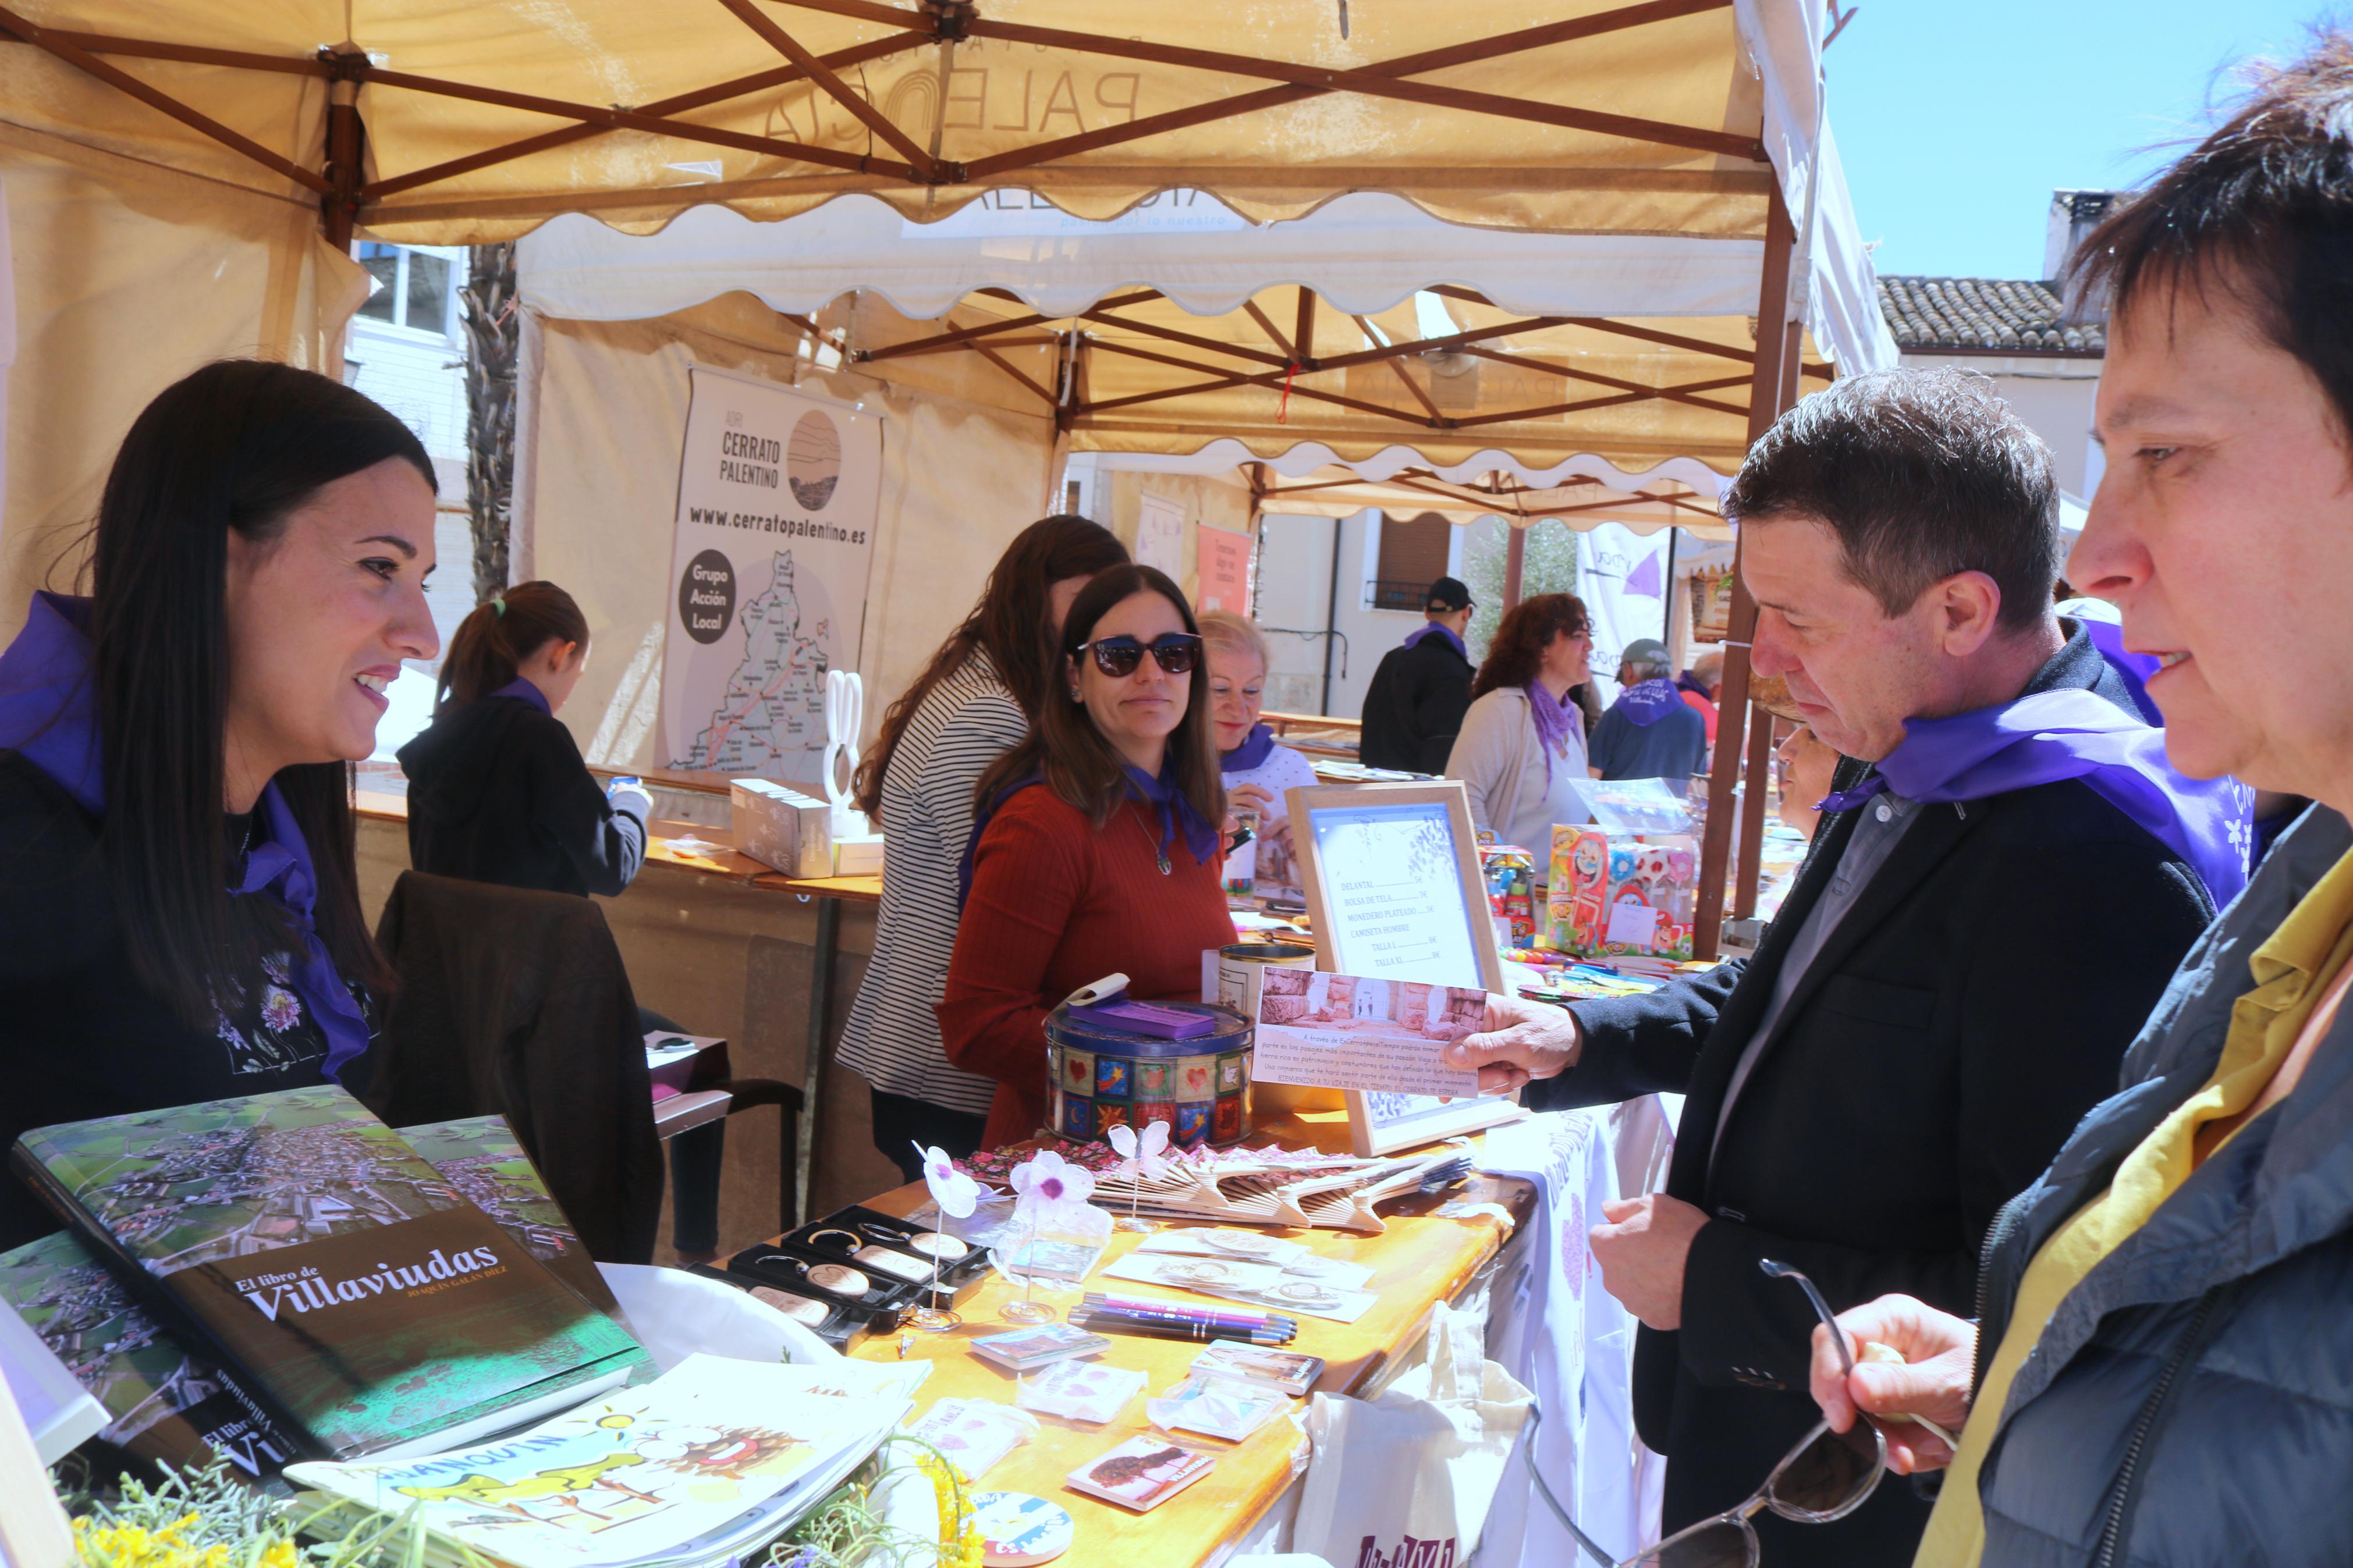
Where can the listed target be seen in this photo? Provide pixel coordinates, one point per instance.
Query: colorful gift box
(1621, 893)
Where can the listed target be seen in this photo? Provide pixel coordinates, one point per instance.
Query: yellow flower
(130, 1546)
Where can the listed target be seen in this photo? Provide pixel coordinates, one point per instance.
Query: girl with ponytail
(497, 789)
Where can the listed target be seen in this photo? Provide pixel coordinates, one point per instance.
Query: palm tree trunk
(493, 341)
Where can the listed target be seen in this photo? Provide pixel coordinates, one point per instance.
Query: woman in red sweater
(1097, 851)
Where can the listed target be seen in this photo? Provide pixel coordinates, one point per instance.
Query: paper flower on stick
(1140, 1157)
(1046, 1183)
(956, 1193)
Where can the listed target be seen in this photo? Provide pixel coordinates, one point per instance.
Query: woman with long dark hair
(1098, 851)
(1520, 752)
(179, 902)
(973, 702)
(497, 789)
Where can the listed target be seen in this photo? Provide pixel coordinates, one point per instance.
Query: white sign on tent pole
(777, 499)
(1160, 535)
(1621, 575)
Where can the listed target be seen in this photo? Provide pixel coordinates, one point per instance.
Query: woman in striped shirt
(974, 702)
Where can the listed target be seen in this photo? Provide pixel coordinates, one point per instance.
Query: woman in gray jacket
(2161, 1371)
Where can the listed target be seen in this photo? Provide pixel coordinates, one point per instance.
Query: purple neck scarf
(49, 714)
(1647, 701)
(1176, 815)
(2133, 668)
(1432, 629)
(522, 690)
(2072, 734)
(1553, 717)
(1256, 747)
(1689, 682)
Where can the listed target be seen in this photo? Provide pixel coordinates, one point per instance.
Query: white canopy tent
(1364, 253)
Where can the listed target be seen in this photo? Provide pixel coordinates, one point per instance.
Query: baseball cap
(1445, 597)
(1644, 651)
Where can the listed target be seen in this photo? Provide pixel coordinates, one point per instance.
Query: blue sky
(1959, 117)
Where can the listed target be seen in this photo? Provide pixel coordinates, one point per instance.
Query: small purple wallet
(1144, 1018)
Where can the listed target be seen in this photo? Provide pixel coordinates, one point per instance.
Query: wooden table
(1421, 1260)
(723, 859)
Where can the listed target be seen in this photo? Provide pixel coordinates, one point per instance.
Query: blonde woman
(1258, 773)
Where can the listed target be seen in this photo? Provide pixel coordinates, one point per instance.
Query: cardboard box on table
(781, 827)
(1620, 893)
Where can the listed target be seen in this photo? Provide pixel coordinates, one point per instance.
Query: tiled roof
(1983, 315)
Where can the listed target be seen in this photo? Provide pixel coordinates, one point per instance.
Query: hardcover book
(165, 1404)
(353, 1288)
(483, 1160)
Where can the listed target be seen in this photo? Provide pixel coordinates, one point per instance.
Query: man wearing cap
(1650, 733)
(1414, 706)
(2004, 880)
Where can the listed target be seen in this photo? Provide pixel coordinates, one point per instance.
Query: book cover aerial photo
(483, 1160)
(359, 1286)
(167, 1402)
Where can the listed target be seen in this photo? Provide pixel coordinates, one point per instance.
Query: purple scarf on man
(1554, 716)
(49, 714)
(1434, 630)
(2051, 736)
(1647, 701)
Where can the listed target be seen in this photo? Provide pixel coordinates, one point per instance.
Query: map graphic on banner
(774, 535)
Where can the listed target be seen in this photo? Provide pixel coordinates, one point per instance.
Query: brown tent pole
(339, 206)
(1732, 698)
(1516, 561)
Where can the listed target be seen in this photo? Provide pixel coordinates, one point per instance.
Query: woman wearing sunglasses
(1096, 851)
(2160, 1370)
(973, 704)
(1521, 753)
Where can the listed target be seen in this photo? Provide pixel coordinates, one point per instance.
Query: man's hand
(1642, 1250)
(1932, 1380)
(1523, 1040)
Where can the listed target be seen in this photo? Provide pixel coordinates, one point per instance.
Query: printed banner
(777, 497)
(1621, 575)
(1224, 558)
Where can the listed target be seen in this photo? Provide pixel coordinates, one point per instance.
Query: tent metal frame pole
(1731, 705)
(1667, 594)
(1515, 563)
(1760, 748)
(1332, 614)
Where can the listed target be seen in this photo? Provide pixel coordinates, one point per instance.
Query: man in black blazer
(1948, 988)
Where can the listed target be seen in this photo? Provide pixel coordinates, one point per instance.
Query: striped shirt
(892, 1039)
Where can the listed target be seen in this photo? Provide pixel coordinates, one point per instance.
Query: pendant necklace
(1159, 853)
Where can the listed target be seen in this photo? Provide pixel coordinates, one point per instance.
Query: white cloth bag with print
(1405, 1480)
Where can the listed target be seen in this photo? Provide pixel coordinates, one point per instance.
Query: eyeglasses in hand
(1826, 1476)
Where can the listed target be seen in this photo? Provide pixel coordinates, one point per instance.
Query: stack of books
(396, 1319)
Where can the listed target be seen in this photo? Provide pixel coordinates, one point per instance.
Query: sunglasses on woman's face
(1118, 657)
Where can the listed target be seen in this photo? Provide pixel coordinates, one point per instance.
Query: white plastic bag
(1408, 1478)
